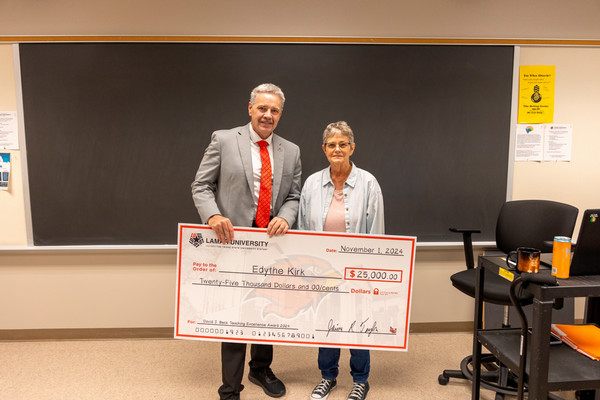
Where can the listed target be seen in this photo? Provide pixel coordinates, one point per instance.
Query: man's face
(265, 113)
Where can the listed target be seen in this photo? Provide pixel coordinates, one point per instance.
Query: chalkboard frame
(453, 71)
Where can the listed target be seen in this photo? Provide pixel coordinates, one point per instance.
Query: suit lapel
(243, 140)
(278, 155)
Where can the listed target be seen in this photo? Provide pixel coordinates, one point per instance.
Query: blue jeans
(360, 364)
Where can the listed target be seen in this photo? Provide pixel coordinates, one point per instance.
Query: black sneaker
(322, 390)
(359, 391)
(266, 379)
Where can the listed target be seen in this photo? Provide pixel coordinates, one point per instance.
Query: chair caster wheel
(442, 380)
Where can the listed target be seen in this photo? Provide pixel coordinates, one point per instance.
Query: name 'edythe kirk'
(277, 271)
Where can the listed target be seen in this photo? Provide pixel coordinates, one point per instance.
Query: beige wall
(121, 289)
(574, 182)
(12, 211)
(93, 290)
(542, 19)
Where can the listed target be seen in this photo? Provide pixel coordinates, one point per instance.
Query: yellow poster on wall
(536, 94)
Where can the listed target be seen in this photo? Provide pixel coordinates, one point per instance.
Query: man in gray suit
(227, 192)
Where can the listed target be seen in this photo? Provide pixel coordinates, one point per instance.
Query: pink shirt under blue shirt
(362, 206)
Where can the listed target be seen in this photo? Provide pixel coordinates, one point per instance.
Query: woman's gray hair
(338, 127)
(267, 88)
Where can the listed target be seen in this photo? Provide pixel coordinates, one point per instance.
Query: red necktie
(263, 210)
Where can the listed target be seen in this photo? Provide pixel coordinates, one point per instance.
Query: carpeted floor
(181, 369)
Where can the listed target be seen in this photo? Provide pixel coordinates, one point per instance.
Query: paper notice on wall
(9, 139)
(4, 170)
(557, 142)
(529, 143)
(543, 142)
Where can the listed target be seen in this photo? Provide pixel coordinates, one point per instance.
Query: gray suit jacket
(224, 183)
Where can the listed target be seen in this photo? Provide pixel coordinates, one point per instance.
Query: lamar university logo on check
(303, 288)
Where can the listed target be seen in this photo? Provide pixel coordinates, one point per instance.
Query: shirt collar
(255, 138)
(350, 181)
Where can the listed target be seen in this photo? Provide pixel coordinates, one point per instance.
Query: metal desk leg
(592, 316)
(477, 325)
(592, 310)
(538, 350)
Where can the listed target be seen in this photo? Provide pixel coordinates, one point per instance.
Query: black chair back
(533, 223)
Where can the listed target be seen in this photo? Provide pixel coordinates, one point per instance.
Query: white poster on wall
(530, 142)
(4, 170)
(543, 142)
(9, 140)
(557, 142)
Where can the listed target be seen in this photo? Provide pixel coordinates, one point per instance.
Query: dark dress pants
(233, 357)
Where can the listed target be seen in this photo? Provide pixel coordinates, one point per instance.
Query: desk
(555, 367)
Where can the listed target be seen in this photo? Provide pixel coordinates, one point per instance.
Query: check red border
(292, 342)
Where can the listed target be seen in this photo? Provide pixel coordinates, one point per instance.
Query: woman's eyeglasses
(342, 146)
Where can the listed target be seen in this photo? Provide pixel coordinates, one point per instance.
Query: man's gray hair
(338, 127)
(267, 88)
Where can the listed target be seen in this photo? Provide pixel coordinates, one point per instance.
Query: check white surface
(302, 288)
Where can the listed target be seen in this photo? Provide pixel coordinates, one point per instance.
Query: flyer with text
(536, 94)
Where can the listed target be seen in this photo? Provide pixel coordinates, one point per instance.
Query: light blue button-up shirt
(363, 202)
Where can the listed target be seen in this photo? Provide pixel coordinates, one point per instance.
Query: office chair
(522, 223)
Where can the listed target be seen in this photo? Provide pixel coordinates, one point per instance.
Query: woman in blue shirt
(341, 198)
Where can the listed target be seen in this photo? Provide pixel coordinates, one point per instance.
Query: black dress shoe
(585, 394)
(266, 379)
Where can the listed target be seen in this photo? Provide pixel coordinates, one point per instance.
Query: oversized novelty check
(302, 288)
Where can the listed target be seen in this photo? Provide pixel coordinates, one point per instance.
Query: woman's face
(338, 150)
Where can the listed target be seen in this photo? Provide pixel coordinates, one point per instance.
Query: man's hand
(277, 226)
(222, 227)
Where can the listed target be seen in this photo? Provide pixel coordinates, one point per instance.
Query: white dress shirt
(257, 162)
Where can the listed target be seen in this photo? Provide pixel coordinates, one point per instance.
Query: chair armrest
(541, 279)
(461, 230)
(468, 244)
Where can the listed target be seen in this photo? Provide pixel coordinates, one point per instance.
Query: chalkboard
(115, 131)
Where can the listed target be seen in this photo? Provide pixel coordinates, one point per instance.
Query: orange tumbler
(561, 257)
